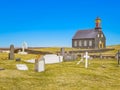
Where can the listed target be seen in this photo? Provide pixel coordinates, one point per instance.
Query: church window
(80, 43)
(101, 35)
(85, 43)
(90, 43)
(98, 35)
(75, 43)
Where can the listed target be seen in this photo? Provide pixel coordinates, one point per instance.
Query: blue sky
(46, 23)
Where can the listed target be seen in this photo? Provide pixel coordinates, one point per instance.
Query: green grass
(100, 75)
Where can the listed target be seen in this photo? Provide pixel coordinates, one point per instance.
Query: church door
(101, 44)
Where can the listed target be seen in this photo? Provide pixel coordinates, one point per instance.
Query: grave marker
(24, 46)
(86, 59)
(21, 67)
(62, 51)
(118, 57)
(40, 65)
(11, 54)
(52, 58)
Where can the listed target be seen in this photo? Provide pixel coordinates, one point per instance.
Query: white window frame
(101, 35)
(75, 43)
(98, 35)
(90, 43)
(80, 43)
(85, 42)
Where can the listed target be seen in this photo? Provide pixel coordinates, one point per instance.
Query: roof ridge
(86, 29)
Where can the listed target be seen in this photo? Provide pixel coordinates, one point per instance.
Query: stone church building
(91, 38)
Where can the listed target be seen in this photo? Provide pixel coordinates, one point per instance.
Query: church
(90, 38)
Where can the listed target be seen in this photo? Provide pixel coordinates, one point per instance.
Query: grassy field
(54, 49)
(100, 75)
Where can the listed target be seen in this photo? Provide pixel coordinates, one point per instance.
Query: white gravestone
(52, 58)
(30, 61)
(86, 59)
(49, 59)
(21, 67)
(40, 65)
(24, 46)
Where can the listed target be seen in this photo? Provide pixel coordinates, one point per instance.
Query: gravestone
(86, 59)
(49, 59)
(30, 61)
(52, 58)
(24, 46)
(70, 57)
(11, 54)
(62, 51)
(21, 67)
(40, 65)
(118, 57)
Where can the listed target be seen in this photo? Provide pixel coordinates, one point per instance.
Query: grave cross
(86, 59)
(24, 46)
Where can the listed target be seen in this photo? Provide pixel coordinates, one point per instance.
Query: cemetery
(59, 45)
(88, 65)
(59, 68)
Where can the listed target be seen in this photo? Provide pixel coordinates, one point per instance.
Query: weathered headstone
(11, 54)
(21, 67)
(62, 51)
(24, 46)
(30, 61)
(52, 58)
(49, 59)
(40, 65)
(86, 59)
(70, 57)
(118, 57)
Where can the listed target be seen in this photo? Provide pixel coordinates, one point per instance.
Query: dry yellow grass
(100, 75)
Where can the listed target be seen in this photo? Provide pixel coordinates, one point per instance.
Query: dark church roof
(81, 34)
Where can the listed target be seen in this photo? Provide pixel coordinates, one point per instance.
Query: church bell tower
(98, 24)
